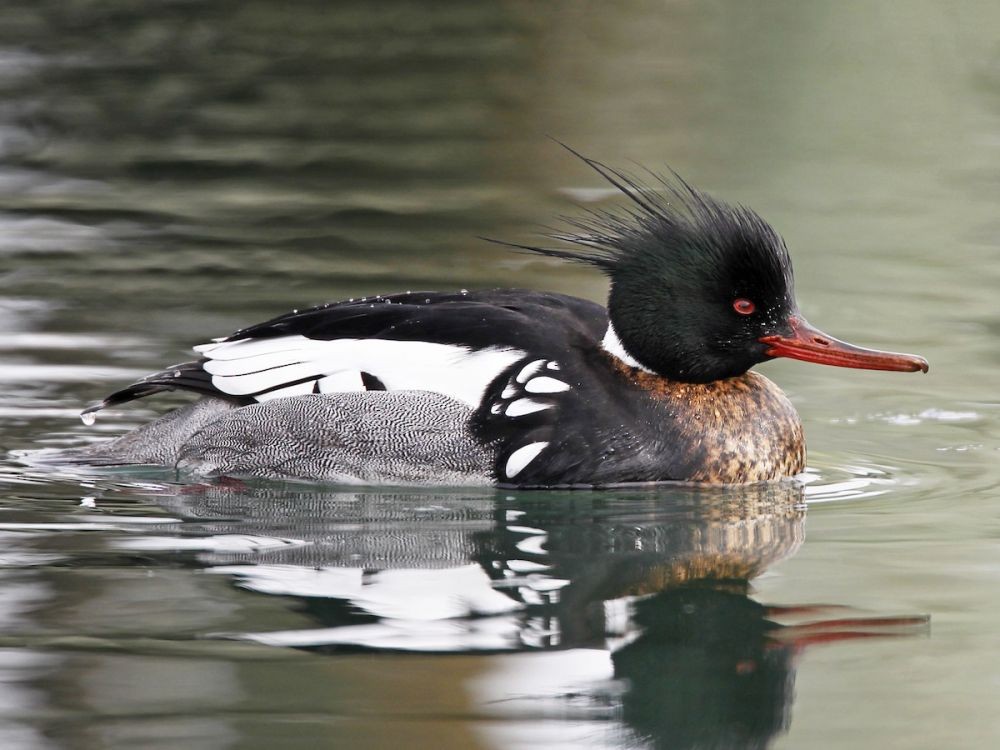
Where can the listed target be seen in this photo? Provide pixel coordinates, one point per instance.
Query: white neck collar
(613, 346)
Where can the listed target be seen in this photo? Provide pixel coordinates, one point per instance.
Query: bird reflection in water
(658, 579)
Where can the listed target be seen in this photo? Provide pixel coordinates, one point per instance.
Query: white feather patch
(529, 369)
(614, 346)
(265, 360)
(525, 406)
(522, 457)
(249, 366)
(251, 347)
(342, 382)
(545, 384)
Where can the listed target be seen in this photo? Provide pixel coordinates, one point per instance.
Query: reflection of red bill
(802, 634)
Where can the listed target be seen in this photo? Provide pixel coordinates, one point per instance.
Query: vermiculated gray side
(158, 442)
(365, 437)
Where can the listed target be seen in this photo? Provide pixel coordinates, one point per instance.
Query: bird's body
(522, 387)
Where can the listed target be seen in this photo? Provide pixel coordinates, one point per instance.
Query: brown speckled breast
(733, 431)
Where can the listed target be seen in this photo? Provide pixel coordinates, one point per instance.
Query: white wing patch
(293, 365)
(341, 382)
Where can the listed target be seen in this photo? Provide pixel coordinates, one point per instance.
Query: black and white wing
(456, 344)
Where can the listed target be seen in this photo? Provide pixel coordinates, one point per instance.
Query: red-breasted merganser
(519, 387)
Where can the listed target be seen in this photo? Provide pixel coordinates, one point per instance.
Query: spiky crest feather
(673, 221)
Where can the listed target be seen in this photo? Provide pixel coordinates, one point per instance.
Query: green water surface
(171, 171)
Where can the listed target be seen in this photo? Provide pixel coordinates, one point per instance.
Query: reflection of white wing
(294, 365)
(413, 609)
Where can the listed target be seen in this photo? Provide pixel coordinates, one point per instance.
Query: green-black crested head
(695, 282)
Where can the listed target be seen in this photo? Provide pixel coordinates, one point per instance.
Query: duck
(518, 387)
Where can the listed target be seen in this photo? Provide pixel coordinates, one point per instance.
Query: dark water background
(171, 171)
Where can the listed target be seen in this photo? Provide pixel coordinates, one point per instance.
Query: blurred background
(173, 170)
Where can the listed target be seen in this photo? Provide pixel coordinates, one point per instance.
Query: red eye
(744, 306)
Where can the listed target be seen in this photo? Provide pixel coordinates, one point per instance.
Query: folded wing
(453, 344)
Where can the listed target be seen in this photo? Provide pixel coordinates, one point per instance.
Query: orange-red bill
(812, 345)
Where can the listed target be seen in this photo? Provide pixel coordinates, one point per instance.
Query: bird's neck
(732, 431)
(613, 346)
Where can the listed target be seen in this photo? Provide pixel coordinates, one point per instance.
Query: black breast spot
(371, 383)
